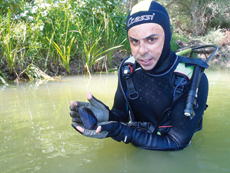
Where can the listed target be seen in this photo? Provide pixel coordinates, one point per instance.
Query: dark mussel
(88, 118)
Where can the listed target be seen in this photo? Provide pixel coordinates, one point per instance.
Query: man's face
(146, 42)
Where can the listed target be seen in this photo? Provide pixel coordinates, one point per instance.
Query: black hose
(191, 99)
(197, 74)
(205, 46)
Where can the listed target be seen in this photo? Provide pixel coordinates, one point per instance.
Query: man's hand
(81, 129)
(100, 110)
(105, 129)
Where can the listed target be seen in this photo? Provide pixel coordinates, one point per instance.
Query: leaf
(42, 39)
(3, 81)
(115, 47)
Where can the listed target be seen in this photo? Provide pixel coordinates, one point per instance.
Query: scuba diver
(150, 107)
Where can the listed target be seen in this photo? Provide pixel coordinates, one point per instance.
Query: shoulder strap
(180, 78)
(182, 69)
(128, 69)
(126, 73)
(195, 62)
(128, 66)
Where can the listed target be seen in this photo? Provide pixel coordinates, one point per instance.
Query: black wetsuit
(155, 96)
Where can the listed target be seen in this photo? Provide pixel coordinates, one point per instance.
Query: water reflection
(36, 135)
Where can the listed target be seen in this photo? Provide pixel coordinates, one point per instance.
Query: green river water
(36, 133)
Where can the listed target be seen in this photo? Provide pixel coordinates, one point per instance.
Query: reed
(7, 44)
(64, 52)
(93, 51)
(48, 33)
(2, 79)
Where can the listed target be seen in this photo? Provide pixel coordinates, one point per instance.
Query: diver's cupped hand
(99, 109)
(106, 129)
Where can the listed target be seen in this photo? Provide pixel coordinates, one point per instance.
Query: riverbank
(222, 58)
(43, 38)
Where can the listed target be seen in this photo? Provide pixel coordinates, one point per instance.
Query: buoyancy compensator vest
(181, 77)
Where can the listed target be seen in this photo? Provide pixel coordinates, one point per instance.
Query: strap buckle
(128, 70)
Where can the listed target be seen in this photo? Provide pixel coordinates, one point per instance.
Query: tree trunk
(130, 4)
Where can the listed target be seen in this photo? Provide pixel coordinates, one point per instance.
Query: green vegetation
(49, 35)
(197, 17)
(176, 37)
(7, 43)
(39, 37)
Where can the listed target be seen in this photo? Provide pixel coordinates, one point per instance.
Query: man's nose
(143, 49)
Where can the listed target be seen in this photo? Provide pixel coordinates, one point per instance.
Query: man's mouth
(145, 62)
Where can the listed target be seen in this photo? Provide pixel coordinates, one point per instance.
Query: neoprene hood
(149, 11)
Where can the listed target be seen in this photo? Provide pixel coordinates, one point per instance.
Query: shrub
(213, 37)
(42, 31)
(175, 37)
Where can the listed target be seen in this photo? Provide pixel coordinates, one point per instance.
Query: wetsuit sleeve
(182, 127)
(119, 111)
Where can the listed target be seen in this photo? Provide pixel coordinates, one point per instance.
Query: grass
(46, 33)
(93, 53)
(7, 42)
(176, 37)
(49, 35)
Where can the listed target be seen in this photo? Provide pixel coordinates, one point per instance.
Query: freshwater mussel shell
(88, 118)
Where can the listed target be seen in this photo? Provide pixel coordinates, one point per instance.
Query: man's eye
(152, 40)
(134, 41)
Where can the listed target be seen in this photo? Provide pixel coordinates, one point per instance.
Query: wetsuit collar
(165, 65)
